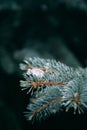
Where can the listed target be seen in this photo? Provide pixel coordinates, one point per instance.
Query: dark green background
(44, 28)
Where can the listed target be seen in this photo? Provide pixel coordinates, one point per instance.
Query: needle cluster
(53, 86)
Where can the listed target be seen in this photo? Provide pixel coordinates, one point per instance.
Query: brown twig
(49, 83)
(41, 68)
(76, 99)
(46, 105)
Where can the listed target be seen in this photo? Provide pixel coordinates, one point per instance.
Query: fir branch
(38, 73)
(36, 84)
(53, 86)
(75, 95)
(44, 104)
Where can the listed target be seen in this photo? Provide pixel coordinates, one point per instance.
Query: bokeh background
(39, 28)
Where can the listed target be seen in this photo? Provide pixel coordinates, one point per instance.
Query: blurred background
(39, 28)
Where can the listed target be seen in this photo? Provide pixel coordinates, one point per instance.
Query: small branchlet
(53, 86)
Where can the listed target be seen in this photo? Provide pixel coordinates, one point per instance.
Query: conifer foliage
(53, 86)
